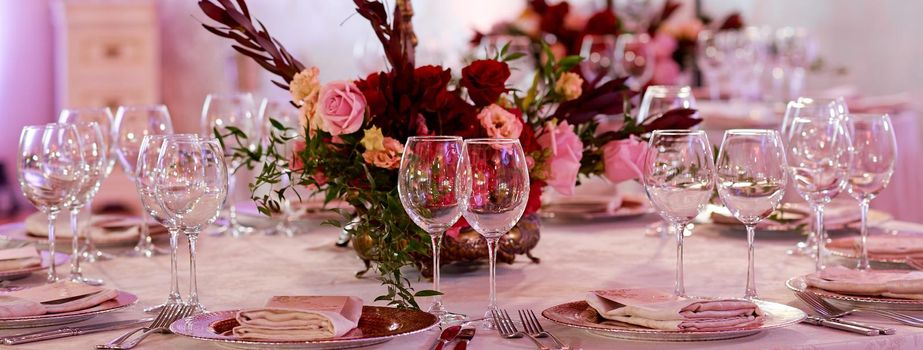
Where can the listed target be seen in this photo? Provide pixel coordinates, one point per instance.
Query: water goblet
(751, 182)
(598, 52)
(634, 58)
(50, 167)
(679, 177)
(659, 99)
(496, 180)
(96, 162)
(286, 115)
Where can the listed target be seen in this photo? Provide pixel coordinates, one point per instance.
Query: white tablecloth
(575, 258)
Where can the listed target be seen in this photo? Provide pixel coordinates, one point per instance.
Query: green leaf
(513, 56)
(426, 293)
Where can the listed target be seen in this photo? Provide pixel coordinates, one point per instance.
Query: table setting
(558, 191)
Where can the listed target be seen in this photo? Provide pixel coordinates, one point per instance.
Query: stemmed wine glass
(102, 116)
(95, 162)
(751, 182)
(428, 185)
(819, 153)
(874, 155)
(598, 52)
(191, 186)
(679, 176)
(496, 180)
(283, 113)
(147, 172)
(132, 124)
(712, 59)
(659, 99)
(239, 111)
(634, 57)
(50, 167)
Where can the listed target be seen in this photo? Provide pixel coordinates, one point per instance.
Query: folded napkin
(300, 318)
(886, 283)
(883, 247)
(655, 309)
(19, 258)
(104, 229)
(53, 298)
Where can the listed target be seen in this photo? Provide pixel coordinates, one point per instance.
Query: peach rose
(499, 122)
(624, 159)
(566, 153)
(305, 86)
(569, 85)
(341, 108)
(389, 158)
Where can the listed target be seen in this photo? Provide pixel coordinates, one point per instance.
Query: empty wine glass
(751, 182)
(191, 186)
(711, 57)
(132, 124)
(429, 191)
(146, 173)
(795, 51)
(496, 180)
(874, 155)
(50, 166)
(102, 116)
(662, 98)
(285, 114)
(95, 164)
(238, 111)
(679, 177)
(598, 52)
(819, 153)
(634, 57)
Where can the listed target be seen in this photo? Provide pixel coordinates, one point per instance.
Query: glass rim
(751, 132)
(869, 115)
(491, 141)
(48, 126)
(677, 132)
(230, 95)
(107, 110)
(142, 107)
(177, 136)
(663, 90)
(434, 138)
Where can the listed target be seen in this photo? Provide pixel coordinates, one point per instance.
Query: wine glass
(819, 153)
(285, 114)
(429, 191)
(634, 57)
(191, 187)
(874, 155)
(496, 180)
(712, 59)
(659, 99)
(50, 167)
(239, 111)
(679, 176)
(146, 173)
(132, 124)
(751, 182)
(598, 52)
(103, 118)
(95, 164)
(795, 51)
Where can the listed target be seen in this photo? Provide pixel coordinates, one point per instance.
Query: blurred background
(58, 54)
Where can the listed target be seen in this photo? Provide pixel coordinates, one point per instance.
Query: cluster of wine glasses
(822, 147)
(485, 180)
(627, 55)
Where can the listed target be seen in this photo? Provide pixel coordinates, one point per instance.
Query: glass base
(78, 278)
(198, 308)
(488, 322)
(157, 308)
(95, 255)
(235, 231)
(147, 250)
(446, 317)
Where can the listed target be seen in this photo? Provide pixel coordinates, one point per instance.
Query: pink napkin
(884, 247)
(887, 283)
(19, 258)
(655, 309)
(300, 318)
(52, 298)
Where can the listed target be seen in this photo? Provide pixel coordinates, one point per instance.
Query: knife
(464, 337)
(447, 335)
(71, 331)
(817, 321)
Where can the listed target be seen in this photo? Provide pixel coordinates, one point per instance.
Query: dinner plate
(122, 301)
(845, 247)
(581, 210)
(869, 302)
(796, 216)
(59, 259)
(579, 314)
(377, 325)
(18, 231)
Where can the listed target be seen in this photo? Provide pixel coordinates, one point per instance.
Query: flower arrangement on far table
(353, 130)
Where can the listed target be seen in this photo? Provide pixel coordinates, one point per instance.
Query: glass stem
(75, 244)
(492, 251)
(52, 273)
(819, 236)
(679, 287)
(144, 242)
(193, 288)
(750, 293)
(436, 239)
(864, 235)
(174, 278)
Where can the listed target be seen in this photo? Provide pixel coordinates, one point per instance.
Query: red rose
(602, 23)
(485, 80)
(535, 196)
(430, 83)
(372, 88)
(553, 17)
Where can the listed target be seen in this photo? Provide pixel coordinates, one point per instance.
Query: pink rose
(341, 108)
(666, 72)
(499, 122)
(566, 152)
(624, 159)
(389, 158)
(664, 45)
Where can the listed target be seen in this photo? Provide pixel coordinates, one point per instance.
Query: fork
(534, 328)
(169, 314)
(830, 311)
(508, 330)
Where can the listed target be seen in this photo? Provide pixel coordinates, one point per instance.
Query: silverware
(836, 324)
(464, 337)
(445, 337)
(828, 310)
(71, 331)
(534, 328)
(169, 314)
(508, 330)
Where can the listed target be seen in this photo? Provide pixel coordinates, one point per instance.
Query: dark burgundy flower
(553, 17)
(485, 80)
(430, 83)
(372, 88)
(602, 23)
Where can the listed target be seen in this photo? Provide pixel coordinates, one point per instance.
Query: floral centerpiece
(353, 130)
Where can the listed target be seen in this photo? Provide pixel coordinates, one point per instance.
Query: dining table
(575, 257)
